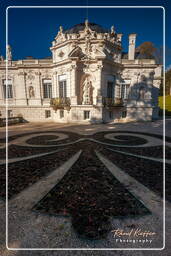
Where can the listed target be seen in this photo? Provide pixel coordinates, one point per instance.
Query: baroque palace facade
(88, 79)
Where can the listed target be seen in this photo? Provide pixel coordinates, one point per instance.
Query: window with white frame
(124, 91)
(118, 91)
(7, 88)
(47, 89)
(62, 86)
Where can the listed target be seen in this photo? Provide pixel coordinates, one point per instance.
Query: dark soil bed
(156, 152)
(25, 173)
(122, 139)
(47, 139)
(149, 173)
(22, 151)
(91, 195)
(70, 134)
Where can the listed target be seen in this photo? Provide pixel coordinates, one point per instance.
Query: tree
(158, 54)
(168, 82)
(146, 50)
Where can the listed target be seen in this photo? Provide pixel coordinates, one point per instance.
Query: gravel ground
(27, 228)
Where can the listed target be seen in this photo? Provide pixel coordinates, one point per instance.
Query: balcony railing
(60, 103)
(112, 102)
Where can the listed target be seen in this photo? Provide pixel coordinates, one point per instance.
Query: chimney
(131, 51)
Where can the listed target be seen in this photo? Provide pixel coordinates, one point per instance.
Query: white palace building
(88, 79)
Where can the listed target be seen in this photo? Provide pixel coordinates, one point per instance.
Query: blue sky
(31, 30)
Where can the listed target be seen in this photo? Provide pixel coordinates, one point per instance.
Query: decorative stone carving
(21, 73)
(37, 73)
(46, 74)
(9, 53)
(60, 36)
(112, 30)
(31, 92)
(61, 54)
(76, 52)
(60, 29)
(87, 92)
(88, 48)
(30, 75)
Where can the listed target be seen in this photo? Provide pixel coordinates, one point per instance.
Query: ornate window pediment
(76, 53)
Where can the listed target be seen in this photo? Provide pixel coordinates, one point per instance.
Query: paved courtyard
(71, 186)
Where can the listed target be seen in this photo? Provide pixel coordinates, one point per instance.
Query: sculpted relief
(31, 92)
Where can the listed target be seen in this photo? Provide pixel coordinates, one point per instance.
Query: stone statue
(86, 24)
(87, 92)
(9, 54)
(31, 92)
(112, 30)
(61, 29)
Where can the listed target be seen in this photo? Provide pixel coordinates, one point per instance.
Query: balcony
(113, 102)
(60, 103)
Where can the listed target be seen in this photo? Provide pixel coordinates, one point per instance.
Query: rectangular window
(47, 89)
(62, 86)
(124, 91)
(118, 91)
(62, 89)
(61, 113)
(110, 89)
(47, 113)
(124, 114)
(86, 115)
(7, 86)
(110, 115)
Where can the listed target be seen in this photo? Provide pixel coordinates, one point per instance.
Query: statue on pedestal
(87, 92)
(31, 92)
(9, 54)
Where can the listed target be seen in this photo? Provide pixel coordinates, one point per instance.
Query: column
(73, 83)
(20, 89)
(99, 85)
(55, 85)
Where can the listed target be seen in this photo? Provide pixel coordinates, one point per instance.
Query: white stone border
(34, 249)
(31, 195)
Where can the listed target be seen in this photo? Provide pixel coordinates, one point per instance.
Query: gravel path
(30, 229)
